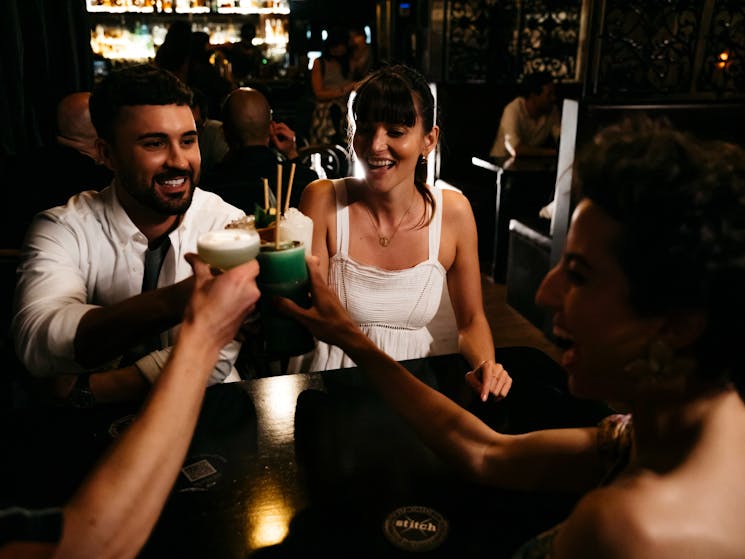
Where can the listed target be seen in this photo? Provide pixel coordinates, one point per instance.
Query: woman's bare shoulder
(645, 517)
(605, 523)
(319, 191)
(455, 206)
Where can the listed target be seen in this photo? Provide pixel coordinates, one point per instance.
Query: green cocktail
(283, 273)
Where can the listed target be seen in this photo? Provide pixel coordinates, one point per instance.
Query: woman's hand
(326, 318)
(489, 378)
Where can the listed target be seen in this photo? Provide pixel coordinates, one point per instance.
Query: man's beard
(149, 198)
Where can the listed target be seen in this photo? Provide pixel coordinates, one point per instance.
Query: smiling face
(389, 153)
(589, 294)
(155, 155)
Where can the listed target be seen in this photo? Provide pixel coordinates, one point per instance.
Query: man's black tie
(153, 263)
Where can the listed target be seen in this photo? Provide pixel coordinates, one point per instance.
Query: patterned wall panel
(500, 40)
(548, 37)
(670, 48)
(468, 39)
(647, 49)
(722, 71)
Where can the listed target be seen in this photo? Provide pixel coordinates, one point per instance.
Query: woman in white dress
(389, 242)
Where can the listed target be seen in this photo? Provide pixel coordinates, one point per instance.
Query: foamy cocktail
(295, 226)
(227, 248)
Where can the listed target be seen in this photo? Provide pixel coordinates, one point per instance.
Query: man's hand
(284, 139)
(220, 303)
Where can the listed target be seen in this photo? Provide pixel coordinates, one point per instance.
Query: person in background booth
(360, 54)
(214, 80)
(58, 170)
(332, 83)
(77, 152)
(102, 280)
(253, 138)
(530, 123)
(389, 242)
(246, 59)
(114, 510)
(648, 296)
(212, 144)
(174, 52)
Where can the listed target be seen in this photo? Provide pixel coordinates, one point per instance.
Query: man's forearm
(106, 332)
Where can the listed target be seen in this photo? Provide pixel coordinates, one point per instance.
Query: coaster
(415, 528)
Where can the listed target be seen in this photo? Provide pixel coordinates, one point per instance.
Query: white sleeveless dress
(393, 307)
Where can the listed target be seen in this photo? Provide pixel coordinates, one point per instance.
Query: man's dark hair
(141, 84)
(533, 83)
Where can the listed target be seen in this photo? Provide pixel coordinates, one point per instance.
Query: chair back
(330, 161)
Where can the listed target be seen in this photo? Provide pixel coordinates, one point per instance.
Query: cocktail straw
(266, 194)
(289, 187)
(279, 207)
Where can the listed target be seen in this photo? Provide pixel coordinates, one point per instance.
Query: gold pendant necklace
(385, 240)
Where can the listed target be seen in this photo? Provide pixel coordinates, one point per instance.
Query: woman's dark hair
(398, 94)
(140, 84)
(681, 206)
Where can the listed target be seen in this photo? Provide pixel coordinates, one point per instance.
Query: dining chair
(330, 161)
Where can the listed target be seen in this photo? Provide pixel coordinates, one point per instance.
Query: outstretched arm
(564, 459)
(114, 511)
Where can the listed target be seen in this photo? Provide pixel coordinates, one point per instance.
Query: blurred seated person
(76, 148)
(113, 512)
(252, 138)
(530, 123)
(212, 144)
(245, 57)
(360, 54)
(57, 171)
(648, 301)
(174, 52)
(332, 83)
(102, 281)
(214, 82)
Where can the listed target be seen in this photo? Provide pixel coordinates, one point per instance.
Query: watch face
(81, 395)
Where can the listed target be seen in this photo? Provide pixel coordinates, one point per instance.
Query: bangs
(386, 100)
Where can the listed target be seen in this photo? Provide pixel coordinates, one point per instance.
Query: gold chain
(383, 240)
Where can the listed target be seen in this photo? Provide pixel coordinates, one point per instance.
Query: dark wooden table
(522, 186)
(314, 464)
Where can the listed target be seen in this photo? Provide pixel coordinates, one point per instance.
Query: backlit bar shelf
(239, 7)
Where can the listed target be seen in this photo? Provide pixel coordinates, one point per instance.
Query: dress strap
(342, 217)
(435, 227)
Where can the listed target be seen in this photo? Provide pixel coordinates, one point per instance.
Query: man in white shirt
(83, 304)
(530, 123)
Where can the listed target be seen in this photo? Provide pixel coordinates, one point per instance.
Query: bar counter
(313, 464)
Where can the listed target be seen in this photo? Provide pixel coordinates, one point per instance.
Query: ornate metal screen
(680, 48)
(500, 40)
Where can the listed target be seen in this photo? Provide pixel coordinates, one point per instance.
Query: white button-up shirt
(88, 253)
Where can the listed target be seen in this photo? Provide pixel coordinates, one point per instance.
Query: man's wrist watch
(81, 395)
